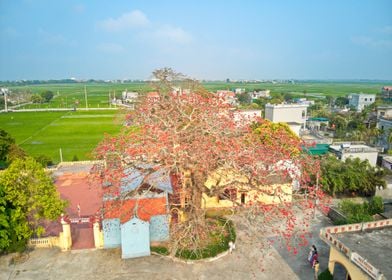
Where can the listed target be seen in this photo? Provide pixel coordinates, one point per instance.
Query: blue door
(135, 238)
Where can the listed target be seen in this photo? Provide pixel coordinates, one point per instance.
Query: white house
(246, 116)
(260, 94)
(386, 93)
(292, 114)
(129, 96)
(360, 101)
(385, 124)
(361, 151)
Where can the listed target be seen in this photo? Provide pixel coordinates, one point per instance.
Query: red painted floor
(80, 189)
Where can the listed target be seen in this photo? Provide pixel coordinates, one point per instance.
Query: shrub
(375, 205)
(325, 275)
(355, 212)
(44, 160)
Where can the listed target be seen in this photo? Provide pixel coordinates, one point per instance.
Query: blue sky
(350, 39)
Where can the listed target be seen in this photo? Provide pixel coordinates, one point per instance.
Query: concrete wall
(359, 101)
(272, 194)
(352, 269)
(371, 157)
(111, 233)
(159, 228)
(286, 113)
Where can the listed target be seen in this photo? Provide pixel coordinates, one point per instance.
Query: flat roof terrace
(375, 246)
(367, 246)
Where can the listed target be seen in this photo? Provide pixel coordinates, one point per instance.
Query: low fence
(46, 242)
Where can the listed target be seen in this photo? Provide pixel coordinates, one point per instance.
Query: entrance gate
(82, 233)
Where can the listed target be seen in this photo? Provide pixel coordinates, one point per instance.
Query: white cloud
(110, 48)
(173, 34)
(126, 21)
(371, 42)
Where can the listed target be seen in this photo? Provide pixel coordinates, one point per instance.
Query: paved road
(247, 262)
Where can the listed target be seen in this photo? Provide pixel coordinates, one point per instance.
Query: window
(243, 195)
(370, 99)
(228, 194)
(365, 99)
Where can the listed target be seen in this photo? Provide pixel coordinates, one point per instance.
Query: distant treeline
(63, 81)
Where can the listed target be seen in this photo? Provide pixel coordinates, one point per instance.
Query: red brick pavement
(80, 189)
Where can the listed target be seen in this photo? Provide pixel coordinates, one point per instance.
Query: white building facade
(360, 101)
(361, 151)
(294, 115)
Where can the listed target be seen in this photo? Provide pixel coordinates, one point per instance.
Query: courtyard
(246, 262)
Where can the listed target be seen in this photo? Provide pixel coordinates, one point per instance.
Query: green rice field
(76, 133)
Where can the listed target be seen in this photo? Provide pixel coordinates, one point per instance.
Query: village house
(228, 96)
(260, 94)
(384, 122)
(345, 150)
(129, 96)
(139, 215)
(386, 93)
(359, 100)
(237, 190)
(294, 115)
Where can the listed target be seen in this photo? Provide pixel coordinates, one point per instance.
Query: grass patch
(160, 250)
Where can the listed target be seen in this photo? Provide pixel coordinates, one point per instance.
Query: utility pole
(61, 155)
(5, 102)
(85, 96)
(110, 100)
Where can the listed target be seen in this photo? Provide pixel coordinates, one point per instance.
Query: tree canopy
(350, 176)
(194, 133)
(6, 141)
(27, 197)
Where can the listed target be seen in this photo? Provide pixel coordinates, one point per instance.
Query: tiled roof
(146, 208)
(136, 176)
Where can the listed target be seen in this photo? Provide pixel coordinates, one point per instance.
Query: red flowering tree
(193, 133)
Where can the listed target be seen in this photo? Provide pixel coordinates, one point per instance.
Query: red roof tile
(124, 210)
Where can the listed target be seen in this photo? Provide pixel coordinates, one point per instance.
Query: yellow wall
(273, 194)
(270, 194)
(353, 270)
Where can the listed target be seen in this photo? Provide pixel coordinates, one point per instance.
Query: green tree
(244, 98)
(29, 197)
(44, 160)
(352, 176)
(36, 98)
(341, 101)
(5, 143)
(47, 96)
